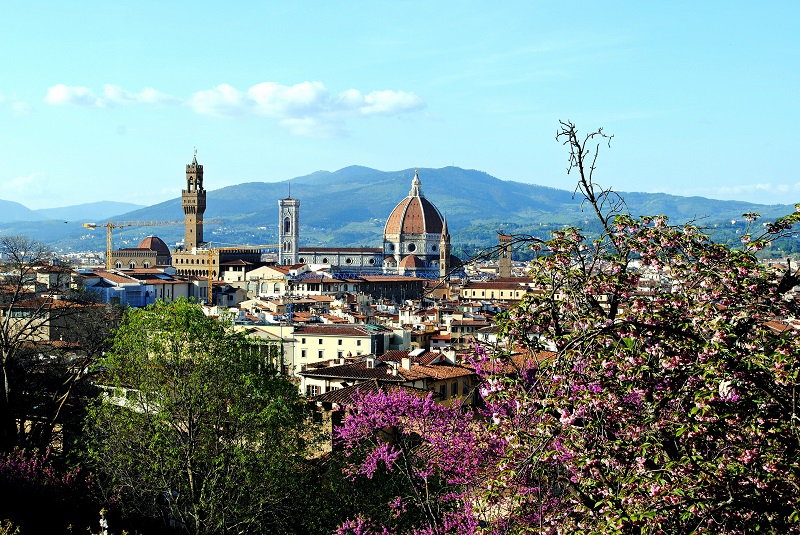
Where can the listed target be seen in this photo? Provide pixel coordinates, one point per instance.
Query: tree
(48, 338)
(196, 425)
(432, 455)
(668, 400)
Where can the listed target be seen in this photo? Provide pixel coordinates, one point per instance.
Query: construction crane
(109, 226)
(211, 251)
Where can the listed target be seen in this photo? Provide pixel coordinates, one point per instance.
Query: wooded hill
(349, 207)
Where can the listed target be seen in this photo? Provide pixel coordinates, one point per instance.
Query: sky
(109, 100)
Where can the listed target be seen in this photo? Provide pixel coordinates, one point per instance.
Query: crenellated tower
(193, 199)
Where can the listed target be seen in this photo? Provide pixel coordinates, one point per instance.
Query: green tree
(196, 426)
(49, 337)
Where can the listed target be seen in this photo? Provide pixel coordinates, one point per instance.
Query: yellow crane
(109, 226)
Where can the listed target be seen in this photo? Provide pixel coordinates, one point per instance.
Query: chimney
(406, 362)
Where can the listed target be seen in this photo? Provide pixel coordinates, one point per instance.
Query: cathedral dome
(415, 214)
(154, 243)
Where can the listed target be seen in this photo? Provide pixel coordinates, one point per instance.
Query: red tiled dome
(154, 243)
(411, 261)
(415, 214)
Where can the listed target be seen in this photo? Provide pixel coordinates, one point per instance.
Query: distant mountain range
(349, 207)
(11, 211)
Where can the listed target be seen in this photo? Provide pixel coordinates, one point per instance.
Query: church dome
(154, 243)
(411, 262)
(415, 214)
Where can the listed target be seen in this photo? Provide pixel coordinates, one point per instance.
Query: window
(433, 248)
(411, 247)
(339, 354)
(312, 390)
(454, 389)
(287, 225)
(443, 390)
(302, 340)
(302, 353)
(358, 342)
(321, 353)
(465, 387)
(320, 341)
(340, 341)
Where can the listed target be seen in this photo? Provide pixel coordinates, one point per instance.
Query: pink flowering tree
(668, 402)
(670, 405)
(439, 452)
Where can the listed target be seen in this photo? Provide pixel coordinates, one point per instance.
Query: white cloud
(300, 100)
(148, 95)
(223, 100)
(61, 94)
(390, 103)
(307, 108)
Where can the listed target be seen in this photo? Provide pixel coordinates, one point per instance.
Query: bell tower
(288, 231)
(444, 251)
(504, 255)
(193, 199)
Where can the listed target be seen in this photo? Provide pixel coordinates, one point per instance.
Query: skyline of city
(106, 102)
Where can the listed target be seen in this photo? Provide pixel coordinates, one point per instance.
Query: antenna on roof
(289, 183)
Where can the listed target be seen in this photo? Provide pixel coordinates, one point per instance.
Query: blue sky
(107, 100)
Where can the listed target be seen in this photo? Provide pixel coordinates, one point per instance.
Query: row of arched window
(131, 265)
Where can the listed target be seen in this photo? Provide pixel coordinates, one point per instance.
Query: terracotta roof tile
(345, 396)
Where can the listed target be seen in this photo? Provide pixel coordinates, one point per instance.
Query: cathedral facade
(415, 241)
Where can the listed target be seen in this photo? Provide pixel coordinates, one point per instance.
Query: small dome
(415, 214)
(412, 262)
(154, 243)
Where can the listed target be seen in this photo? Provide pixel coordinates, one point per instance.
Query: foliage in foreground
(196, 427)
(31, 482)
(666, 406)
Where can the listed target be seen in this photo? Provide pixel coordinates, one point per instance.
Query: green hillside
(349, 208)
